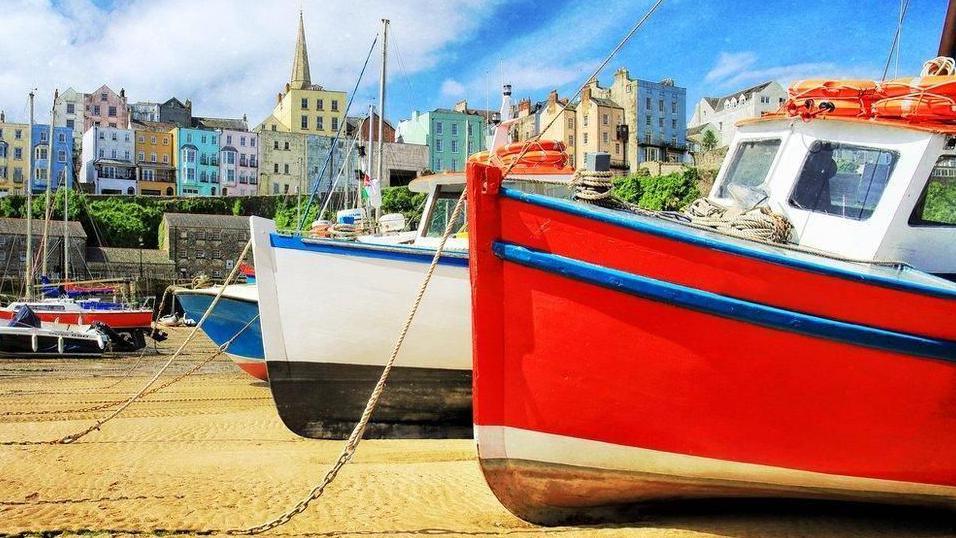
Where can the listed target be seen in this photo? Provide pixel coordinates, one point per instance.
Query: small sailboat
(623, 357)
(26, 336)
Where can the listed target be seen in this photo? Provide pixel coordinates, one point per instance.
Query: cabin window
(843, 180)
(937, 204)
(750, 165)
(445, 200)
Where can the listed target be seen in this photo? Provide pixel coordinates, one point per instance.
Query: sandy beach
(209, 452)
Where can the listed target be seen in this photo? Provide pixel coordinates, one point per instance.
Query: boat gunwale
(458, 258)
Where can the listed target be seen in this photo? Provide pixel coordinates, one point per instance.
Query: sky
(231, 57)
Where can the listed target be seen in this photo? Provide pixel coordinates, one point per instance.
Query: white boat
(26, 336)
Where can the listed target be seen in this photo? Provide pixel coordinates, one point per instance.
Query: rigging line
(896, 37)
(342, 126)
(637, 26)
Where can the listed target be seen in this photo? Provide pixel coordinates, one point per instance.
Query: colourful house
(239, 162)
(105, 108)
(155, 172)
(14, 155)
(197, 161)
(61, 167)
(107, 165)
(451, 136)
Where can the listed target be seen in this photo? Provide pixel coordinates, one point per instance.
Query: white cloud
(229, 57)
(452, 88)
(729, 64)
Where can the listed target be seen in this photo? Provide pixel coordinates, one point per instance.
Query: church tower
(300, 78)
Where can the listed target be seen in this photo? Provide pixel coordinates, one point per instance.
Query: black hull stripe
(728, 307)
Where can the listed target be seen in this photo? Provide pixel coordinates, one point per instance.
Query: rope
(347, 231)
(72, 438)
(759, 223)
(592, 186)
(938, 67)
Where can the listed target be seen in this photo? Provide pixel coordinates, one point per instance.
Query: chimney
(586, 93)
(506, 89)
(3, 117)
(524, 107)
(461, 106)
(122, 93)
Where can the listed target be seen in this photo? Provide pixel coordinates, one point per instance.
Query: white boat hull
(331, 313)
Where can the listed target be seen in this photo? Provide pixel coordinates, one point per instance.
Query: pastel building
(599, 121)
(451, 136)
(321, 169)
(107, 165)
(144, 111)
(304, 107)
(239, 162)
(197, 161)
(721, 114)
(14, 155)
(155, 172)
(68, 110)
(564, 128)
(282, 163)
(61, 153)
(656, 116)
(105, 108)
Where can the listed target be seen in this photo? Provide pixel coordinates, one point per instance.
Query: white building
(107, 161)
(144, 111)
(68, 112)
(721, 114)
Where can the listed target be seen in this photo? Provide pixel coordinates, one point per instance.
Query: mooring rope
(759, 223)
(72, 438)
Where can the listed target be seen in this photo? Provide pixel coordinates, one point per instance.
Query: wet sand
(209, 452)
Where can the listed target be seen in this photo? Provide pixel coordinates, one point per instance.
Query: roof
(159, 126)
(605, 102)
(230, 124)
(198, 220)
(127, 255)
(717, 103)
(697, 129)
(19, 227)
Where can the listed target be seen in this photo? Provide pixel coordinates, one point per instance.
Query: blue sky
(231, 57)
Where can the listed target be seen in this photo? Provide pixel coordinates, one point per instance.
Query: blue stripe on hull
(368, 250)
(728, 307)
(227, 319)
(906, 279)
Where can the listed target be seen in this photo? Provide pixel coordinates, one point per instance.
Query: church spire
(300, 62)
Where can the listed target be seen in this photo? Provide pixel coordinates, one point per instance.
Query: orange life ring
(850, 98)
(931, 98)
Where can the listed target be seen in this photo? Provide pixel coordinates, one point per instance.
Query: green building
(451, 135)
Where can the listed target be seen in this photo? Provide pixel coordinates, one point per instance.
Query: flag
(372, 191)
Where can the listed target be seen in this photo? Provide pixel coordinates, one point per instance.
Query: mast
(947, 39)
(49, 181)
(28, 274)
(371, 150)
(66, 225)
(381, 113)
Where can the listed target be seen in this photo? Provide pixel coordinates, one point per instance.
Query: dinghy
(26, 336)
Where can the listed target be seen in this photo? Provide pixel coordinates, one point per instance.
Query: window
(439, 219)
(40, 153)
(617, 147)
(570, 123)
(604, 137)
(304, 122)
(165, 141)
(673, 124)
(285, 169)
(604, 119)
(275, 144)
(71, 124)
(61, 138)
(102, 153)
(252, 142)
(165, 159)
(454, 146)
(570, 140)
(286, 146)
(70, 108)
(674, 107)
(113, 154)
(439, 128)
(660, 105)
(335, 105)
(438, 164)
(112, 124)
(454, 129)
(112, 111)
(937, 204)
(149, 174)
(438, 145)
(843, 180)
(647, 121)
(335, 123)
(585, 138)
(152, 140)
(141, 156)
(305, 103)
(113, 136)
(203, 139)
(647, 103)
(454, 164)
(231, 175)
(152, 157)
(126, 155)
(318, 106)
(96, 110)
(750, 165)
(765, 99)
(141, 139)
(585, 123)
(319, 124)
(242, 141)
(660, 122)
(103, 96)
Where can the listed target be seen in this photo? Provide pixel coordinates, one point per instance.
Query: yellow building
(598, 120)
(155, 166)
(14, 155)
(562, 130)
(305, 107)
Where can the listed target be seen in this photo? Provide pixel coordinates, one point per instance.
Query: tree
(709, 140)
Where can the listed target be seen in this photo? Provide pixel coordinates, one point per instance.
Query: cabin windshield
(937, 204)
(445, 200)
(749, 169)
(843, 180)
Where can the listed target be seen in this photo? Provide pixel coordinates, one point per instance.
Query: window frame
(720, 187)
(917, 222)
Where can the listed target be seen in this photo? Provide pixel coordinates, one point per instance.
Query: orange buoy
(931, 98)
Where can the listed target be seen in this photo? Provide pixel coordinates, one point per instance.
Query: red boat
(621, 358)
(71, 312)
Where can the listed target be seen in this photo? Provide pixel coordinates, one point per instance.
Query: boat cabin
(865, 189)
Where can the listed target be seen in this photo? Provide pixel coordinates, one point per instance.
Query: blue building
(450, 134)
(321, 170)
(656, 113)
(61, 153)
(197, 162)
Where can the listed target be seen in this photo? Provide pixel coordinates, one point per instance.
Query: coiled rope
(759, 223)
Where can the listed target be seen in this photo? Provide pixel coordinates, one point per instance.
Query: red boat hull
(118, 319)
(618, 363)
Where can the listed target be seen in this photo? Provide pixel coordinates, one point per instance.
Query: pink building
(105, 108)
(238, 163)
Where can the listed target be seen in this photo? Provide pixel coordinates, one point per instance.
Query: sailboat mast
(66, 224)
(49, 181)
(947, 39)
(381, 113)
(28, 274)
(371, 147)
